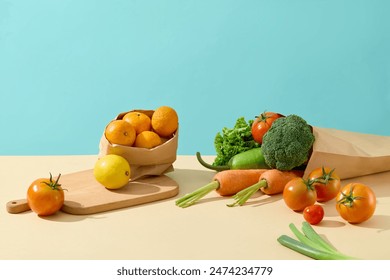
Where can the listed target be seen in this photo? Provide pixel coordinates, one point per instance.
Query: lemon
(112, 171)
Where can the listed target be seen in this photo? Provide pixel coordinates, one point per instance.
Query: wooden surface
(84, 195)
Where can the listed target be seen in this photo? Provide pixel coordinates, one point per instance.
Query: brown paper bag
(351, 154)
(144, 162)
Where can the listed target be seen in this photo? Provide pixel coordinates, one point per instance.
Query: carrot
(276, 180)
(270, 182)
(225, 183)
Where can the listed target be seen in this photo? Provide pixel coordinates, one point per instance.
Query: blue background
(68, 67)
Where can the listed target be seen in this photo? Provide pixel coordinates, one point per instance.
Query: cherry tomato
(262, 124)
(356, 203)
(313, 214)
(327, 183)
(45, 196)
(299, 193)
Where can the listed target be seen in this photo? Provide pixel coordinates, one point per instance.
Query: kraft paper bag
(351, 154)
(144, 162)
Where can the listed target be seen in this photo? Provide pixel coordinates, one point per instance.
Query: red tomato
(262, 124)
(356, 203)
(299, 193)
(313, 214)
(327, 183)
(45, 196)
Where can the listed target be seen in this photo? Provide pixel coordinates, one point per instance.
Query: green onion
(313, 235)
(304, 239)
(311, 244)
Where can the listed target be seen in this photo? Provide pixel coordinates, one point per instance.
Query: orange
(165, 121)
(147, 139)
(120, 132)
(138, 120)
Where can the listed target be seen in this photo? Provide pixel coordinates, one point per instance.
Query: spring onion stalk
(308, 250)
(304, 239)
(313, 235)
(189, 199)
(311, 244)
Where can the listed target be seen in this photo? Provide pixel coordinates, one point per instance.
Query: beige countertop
(162, 231)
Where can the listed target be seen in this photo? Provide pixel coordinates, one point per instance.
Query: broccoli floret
(287, 143)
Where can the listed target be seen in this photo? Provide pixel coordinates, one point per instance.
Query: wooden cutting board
(85, 195)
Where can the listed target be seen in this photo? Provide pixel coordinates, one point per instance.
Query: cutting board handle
(17, 206)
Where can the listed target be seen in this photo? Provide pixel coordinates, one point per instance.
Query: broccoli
(287, 143)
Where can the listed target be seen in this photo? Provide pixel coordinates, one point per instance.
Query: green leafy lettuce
(232, 141)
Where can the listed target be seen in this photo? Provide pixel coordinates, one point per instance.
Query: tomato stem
(326, 177)
(263, 116)
(348, 199)
(309, 183)
(54, 185)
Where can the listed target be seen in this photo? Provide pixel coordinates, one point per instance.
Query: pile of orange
(137, 129)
